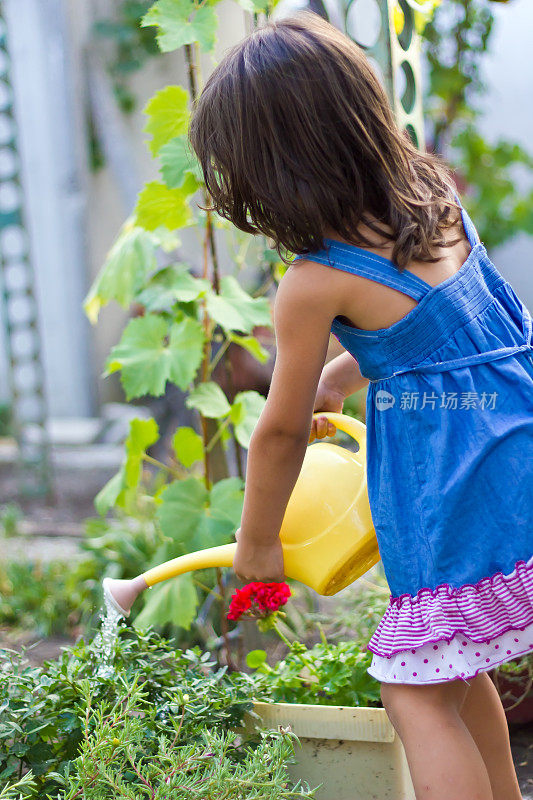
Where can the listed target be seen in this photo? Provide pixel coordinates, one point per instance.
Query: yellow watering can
(327, 534)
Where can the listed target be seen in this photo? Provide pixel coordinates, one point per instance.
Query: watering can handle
(354, 427)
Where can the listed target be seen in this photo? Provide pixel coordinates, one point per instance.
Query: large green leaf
(256, 6)
(108, 496)
(182, 22)
(182, 507)
(209, 399)
(158, 205)
(147, 359)
(188, 446)
(253, 345)
(196, 518)
(173, 601)
(171, 285)
(235, 309)
(168, 116)
(226, 505)
(177, 162)
(142, 434)
(128, 263)
(245, 411)
(185, 347)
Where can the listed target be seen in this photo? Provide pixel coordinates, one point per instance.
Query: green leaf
(174, 601)
(168, 116)
(147, 360)
(248, 407)
(142, 434)
(255, 658)
(182, 507)
(257, 6)
(188, 446)
(107, 496)
(209, 399)
(253, 345)
(182, 22)
(157, 205)
(171, 285)
(226, 506)
(177, 162)
(185, 347)
(196, 518)
(235, 309)
(140, 355)
(128, 263)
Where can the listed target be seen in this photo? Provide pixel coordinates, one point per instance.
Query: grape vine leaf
(129, 261)
(252, 345)
(142, 434)
(150, 353)
(196, 518)
(233, 308)
(157, 205)
(173, 601)
(108, 496)
(177, 162)
(168, 116)
(188, 446)
(182, 22)
(171, 285)
(245, 411)
(209, 399)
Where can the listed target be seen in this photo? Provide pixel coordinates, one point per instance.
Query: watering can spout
(203, 559)
(327, 534)
(121, 594)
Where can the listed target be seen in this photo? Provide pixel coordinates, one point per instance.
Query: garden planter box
(355, 753)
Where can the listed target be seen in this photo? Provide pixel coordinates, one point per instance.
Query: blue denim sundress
(449, 416)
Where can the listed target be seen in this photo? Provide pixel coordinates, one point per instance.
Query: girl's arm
(342, 375)
(302, 321)
(340, 378)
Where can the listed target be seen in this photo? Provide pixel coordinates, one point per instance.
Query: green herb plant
(79, 735)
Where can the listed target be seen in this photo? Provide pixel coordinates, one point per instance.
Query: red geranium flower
(258, 600)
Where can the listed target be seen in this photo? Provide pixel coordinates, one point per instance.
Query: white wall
(50, 140)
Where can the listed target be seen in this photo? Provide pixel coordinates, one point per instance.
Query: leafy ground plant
(43, 710)
(121, 757)
(326, 675)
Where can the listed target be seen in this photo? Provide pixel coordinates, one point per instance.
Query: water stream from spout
(105, 640)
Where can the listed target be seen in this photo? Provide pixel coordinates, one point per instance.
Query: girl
(297, 141)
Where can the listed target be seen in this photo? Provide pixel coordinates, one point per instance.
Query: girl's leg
(483, 715)
(443, 758)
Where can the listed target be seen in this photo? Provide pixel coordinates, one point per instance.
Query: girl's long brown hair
(294, 133)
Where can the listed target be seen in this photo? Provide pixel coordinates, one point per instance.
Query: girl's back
(368, 304)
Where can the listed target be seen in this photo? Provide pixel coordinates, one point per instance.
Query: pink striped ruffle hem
(481, 611)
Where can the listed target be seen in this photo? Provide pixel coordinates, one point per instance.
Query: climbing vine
(190, 317)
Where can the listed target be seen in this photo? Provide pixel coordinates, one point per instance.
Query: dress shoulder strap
(470, 229)
(357, 260)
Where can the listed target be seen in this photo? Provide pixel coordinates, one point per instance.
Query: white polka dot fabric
(459, 658)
